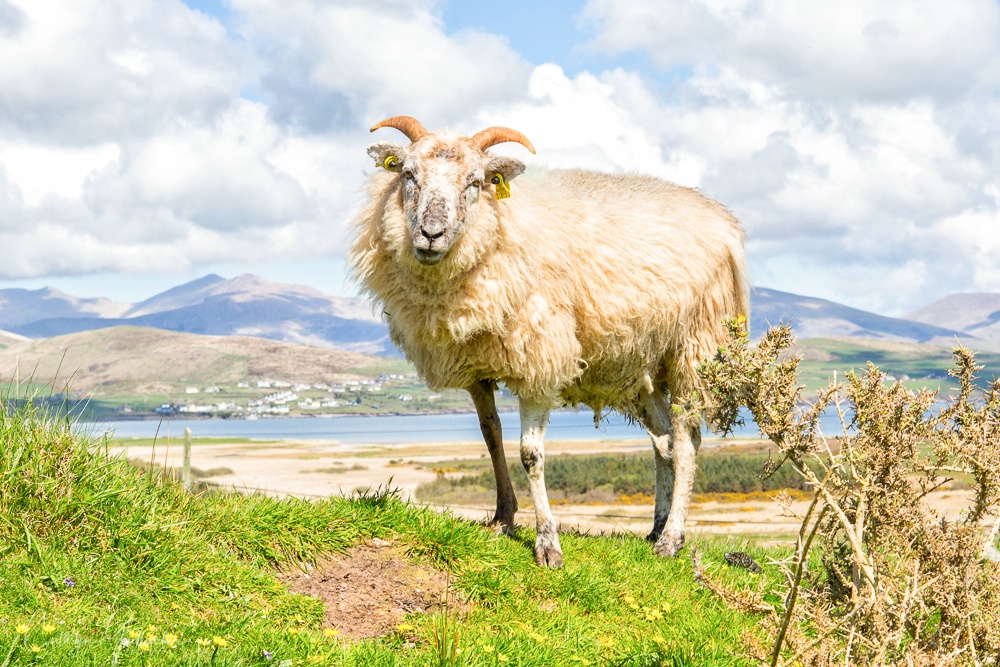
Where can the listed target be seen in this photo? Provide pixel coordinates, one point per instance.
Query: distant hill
(150, 360)
(819, 318)
(20, 306)
(976, 314)
(7, 339)
(249, 305)
(245, 306)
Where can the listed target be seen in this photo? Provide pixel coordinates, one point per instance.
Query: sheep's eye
(495, 180)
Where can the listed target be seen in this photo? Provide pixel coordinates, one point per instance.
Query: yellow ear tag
(389, 162)
(502, 189)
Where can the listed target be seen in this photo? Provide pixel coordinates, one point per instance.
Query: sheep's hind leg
(489, 423)
(657, 423)
(534, 420)
(675, 447)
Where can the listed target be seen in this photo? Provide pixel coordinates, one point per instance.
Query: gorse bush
(893, 581)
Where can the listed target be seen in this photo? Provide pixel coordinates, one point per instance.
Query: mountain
(976, 314)
(819, 318)
(20, 306)
(153, 360)
(249, 305)
(244, 306)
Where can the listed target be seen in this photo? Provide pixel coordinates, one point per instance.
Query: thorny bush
(878, 577)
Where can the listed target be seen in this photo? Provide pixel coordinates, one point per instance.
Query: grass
(105, 563)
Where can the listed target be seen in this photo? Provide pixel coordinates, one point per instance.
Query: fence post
(186, 470)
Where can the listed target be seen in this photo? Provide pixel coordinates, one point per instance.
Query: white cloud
(858, 49)
(352, 62)
(847, 136)
(857, 141)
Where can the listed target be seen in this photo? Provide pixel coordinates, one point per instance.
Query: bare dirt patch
(370, 590)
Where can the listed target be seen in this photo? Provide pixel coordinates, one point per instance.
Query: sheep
(571, 288)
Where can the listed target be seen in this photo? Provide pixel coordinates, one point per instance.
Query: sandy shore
(323, 468)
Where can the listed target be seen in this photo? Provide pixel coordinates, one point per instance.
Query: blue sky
(144, 143)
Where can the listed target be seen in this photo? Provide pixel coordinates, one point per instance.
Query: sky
(145, 143)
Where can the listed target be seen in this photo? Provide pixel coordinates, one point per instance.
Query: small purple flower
(69, 582)
(267, 654)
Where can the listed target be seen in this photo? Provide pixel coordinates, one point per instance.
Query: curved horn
(409, 126)
(492, 136)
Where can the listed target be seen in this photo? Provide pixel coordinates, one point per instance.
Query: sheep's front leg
(534, 420)
(675, 447)
(489, 423)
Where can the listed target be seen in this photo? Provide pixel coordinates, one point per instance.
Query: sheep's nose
(432, 233)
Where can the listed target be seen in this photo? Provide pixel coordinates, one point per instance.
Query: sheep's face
(442, 178)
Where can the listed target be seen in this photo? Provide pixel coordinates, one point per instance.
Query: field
(106, 563)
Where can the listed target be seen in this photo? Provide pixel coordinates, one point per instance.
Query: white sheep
(574, 288)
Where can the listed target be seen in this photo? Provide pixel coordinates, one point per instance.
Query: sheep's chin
(428, 257)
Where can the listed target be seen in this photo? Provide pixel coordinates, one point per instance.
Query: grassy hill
(919, 366)
(143, 360)
(143, 368)
(103, 563)
(7, 339)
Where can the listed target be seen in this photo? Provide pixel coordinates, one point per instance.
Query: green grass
(101, 561)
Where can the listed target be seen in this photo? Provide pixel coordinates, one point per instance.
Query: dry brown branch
(898, 584)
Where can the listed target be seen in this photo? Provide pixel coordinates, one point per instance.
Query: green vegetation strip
(104, 563)
(609, 478)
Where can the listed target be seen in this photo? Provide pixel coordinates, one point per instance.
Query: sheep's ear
(388, 156)
(500, 170)
(507, 167)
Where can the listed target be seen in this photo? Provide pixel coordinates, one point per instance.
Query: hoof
(550, 557)
(657, 531)
(668, 545)
(502, 526)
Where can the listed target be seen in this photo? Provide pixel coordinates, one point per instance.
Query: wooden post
(186, 470)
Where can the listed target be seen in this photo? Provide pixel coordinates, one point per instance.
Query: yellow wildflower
(144, 646)
(22, 629)
(220, 641)
(35, 648)
(170, 639)
(488, 649)
(293, 631)
(49, 628)
(133, 634)
(151, 636)
(151, 628)
(203, 642)
(405, 627)
(330, 632)
(659, 639)
(502, 658)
